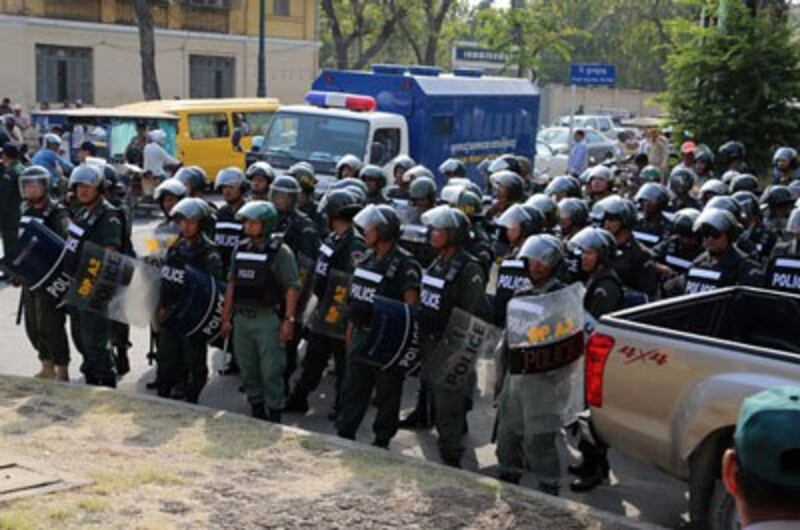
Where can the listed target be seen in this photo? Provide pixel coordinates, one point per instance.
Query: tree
(736, 80)
(147, 49)
(423, 28)
(358, 29)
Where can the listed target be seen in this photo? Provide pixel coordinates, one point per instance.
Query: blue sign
(592, 74)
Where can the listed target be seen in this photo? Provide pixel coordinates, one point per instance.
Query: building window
(280, 8)
(219, 4)
(64, 73)
(211, 76)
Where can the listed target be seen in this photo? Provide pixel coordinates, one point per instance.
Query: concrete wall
(291, 63)
(555, 101)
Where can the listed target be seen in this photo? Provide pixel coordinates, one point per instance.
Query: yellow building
(88, 50)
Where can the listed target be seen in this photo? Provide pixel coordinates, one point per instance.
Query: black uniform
(511, 277)
(633, 265)
(479, 245)
(783, 270)
(760, 240)
(10, 202)
(310, 208)
(227, 233)
(389, 276)
(733, 268)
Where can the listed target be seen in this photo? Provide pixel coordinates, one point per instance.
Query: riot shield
(406, 211)
(452, 360)
(115, 286)
(196, 300)
(305, 274)
(544, 334)
(163, 237)
(330, 315)
(37, 259)
(393, 341)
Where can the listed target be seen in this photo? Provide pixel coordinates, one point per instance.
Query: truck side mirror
(236, 140)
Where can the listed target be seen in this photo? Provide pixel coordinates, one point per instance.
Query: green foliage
(736, 80)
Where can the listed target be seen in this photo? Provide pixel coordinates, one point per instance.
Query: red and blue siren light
(354, 102)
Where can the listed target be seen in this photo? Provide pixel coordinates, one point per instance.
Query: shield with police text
(451, 361)
(196, 302)
(393, 340)
(114, 285)
(330, 316)
(545, 334)
(37, 259)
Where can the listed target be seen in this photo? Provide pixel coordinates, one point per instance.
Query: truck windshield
(320, 140)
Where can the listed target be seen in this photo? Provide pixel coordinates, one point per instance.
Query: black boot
(110, 382)
(296, 403)
(594, 469)
(420, 417)
(257, 411)
(383, 444)
(274, 416)
(512, 478)
(121, 360)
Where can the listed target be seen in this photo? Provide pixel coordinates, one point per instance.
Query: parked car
(600, 147)
(600, 123)
(665, 382)
(548, 162)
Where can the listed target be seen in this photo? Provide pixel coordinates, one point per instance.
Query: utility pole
(261, 91)
(517, 5)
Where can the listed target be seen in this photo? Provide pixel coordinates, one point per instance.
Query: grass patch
(14, 521)
(60, 514)
(153, 476)
(93, 504)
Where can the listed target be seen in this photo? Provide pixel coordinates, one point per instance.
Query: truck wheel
(704, 478)
(722, 509)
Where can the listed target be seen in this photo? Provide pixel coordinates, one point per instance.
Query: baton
(20, 307)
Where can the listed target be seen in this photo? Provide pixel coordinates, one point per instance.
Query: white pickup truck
(665, 381)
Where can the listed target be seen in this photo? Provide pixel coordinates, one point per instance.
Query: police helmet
(784, 153)
(728, 176)
(576, 210)
(545, 248)
(776, 196)
(653, 192)
(171, 186)
(794, 188)
(403, 162)
(731, 150)
(681, 180)
(284, 184)
(450, 219)
(564, 184)
(650, 174)
(713, 187)
(598, 240)
(193, 177)
(483, 167)
(348, 160)
(416, 172)
(381, 216)
(52, 139)
(111, 181)
(547, 206)
(715, 220)
(421, 188)
(86, 174)
(748, 202)
(509, 180)
(705, 156)
(304, 174)
(263, 211)
(744, 182)
(465, 183)
(34, 173)
(350, 183)
(260, 169)
(683, 221)
(506, 162)
(453, 167)
(191, 208)
(525, 165)
(470, 203)
(373, 172)
(615, 207)
(793, 223)
(229, 176)
(599, 172)
(529, 219)
(725, 203)
(341, 203)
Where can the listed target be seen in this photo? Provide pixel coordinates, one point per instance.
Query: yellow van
(214, 133)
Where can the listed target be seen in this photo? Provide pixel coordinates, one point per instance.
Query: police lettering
(210, 329)
(693, 287)
(785, 280)
(173, 275)
(512, 283)
(321, 268)
(72, 244)
(474, 337)
(431, 299)
(226, 240)
(59, 286)
(363, 293)
(246, 274)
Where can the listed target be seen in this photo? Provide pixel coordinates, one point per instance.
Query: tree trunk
(147, 49)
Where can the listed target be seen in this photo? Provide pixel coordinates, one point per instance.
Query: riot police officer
(652, 199)
(783, 271)
(339, 252)
(563, 186)
(712, 188)
(302, 237)
(414, 236)
(508, 188)
(389, 271)
(375, 179)
(453, 168)
(731, 156)
(95, 222)
(260, 175)
(573, 215)
(745, 182)
(263, 277)
(703, 165)
(676, 253)
(722, 263)
(348, 166)
(777, 201)
(479, 243)
(756, 237)
(454, 280)
(681, 182)
(520, 221)
(531, 404)
(194, 178)
(422, 193)
(44, 321)
(182, 361)
(399, 189)
(548, 208)
(650, 174)
(785, 165)
(598, 184)
(304, 174)
(604, 294)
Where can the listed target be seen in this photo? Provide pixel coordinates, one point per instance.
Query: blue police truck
(392, 110)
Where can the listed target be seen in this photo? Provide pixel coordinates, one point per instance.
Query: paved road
(636, 490)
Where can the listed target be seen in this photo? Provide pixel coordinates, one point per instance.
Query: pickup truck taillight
(597, 351)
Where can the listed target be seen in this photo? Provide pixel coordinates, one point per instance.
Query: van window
(210, 125)
(256, 122)
(385, 146)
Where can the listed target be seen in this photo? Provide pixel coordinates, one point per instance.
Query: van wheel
(722, 509)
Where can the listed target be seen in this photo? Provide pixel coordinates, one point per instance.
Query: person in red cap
(687, 156)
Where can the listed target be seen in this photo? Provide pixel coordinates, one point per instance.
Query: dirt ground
(154, 464)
